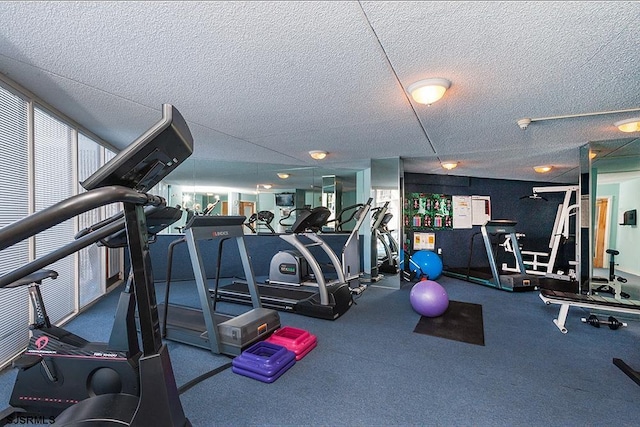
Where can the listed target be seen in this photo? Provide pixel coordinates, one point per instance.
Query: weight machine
(544, 263)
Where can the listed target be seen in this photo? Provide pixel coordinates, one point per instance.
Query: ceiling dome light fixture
(283, 175)
(318, 154)
(428, 91)
(449, 165)
(266, 186)
(629, 125)
(542, 169)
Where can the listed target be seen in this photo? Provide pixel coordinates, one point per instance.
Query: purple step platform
(263, 361)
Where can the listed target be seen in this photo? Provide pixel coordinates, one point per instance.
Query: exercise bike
(612, 284)
(125, 179)
(59, 368)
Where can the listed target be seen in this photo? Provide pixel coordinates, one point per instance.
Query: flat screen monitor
(148, 159)
(285, 199)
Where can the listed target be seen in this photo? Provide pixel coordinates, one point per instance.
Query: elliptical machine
(389, 262)
(265, 218)
(295, 267)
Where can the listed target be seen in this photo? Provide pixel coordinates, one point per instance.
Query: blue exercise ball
(426, 263)
(429, 298)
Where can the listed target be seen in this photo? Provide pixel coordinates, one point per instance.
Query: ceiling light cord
(523, 123)
(393, 70)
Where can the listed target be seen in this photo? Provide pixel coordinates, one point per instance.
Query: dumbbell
(612, 322)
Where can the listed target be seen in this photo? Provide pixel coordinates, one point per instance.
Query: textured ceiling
(262, 83)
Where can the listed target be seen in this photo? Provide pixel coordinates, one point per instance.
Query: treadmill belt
(189, 318)
(268, 291)
(481, 273)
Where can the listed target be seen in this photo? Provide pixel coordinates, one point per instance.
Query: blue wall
(260, 248)
(535, 218)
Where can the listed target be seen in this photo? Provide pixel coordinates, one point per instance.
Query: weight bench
(567, 299)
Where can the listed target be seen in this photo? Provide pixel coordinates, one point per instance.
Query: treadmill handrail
(506, 227)
(364, 210)
(158, 218)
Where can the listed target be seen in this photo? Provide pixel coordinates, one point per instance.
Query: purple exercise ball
(429, 298)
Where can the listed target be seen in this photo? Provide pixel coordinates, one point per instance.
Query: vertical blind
(14, 188)
(44, 158)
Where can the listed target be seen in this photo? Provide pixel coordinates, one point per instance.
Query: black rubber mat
(461, 322)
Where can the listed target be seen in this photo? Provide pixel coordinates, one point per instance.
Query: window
(91, 283)
(53, 181)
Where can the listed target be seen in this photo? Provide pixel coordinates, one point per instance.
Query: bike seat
(35, 277)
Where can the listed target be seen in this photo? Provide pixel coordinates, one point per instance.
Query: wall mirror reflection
(614, 202)
(269, 195)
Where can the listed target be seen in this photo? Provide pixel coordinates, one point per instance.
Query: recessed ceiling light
(283, 175)
(449, 165)
(629, 125)
(542, 169)
(318, 154)
(428, 91)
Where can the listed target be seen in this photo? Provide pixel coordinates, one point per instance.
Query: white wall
(628, 235)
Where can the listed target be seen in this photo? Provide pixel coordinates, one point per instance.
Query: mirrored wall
(271, 195)
(202, 187)
(614, 200)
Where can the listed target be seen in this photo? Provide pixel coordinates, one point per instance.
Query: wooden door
(247, 208)
(600, 231)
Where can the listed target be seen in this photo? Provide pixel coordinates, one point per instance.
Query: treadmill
(320, 299)
(205, 327)
(513, 282)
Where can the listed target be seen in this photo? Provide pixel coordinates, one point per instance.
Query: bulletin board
(428, 212)
(423, 211)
